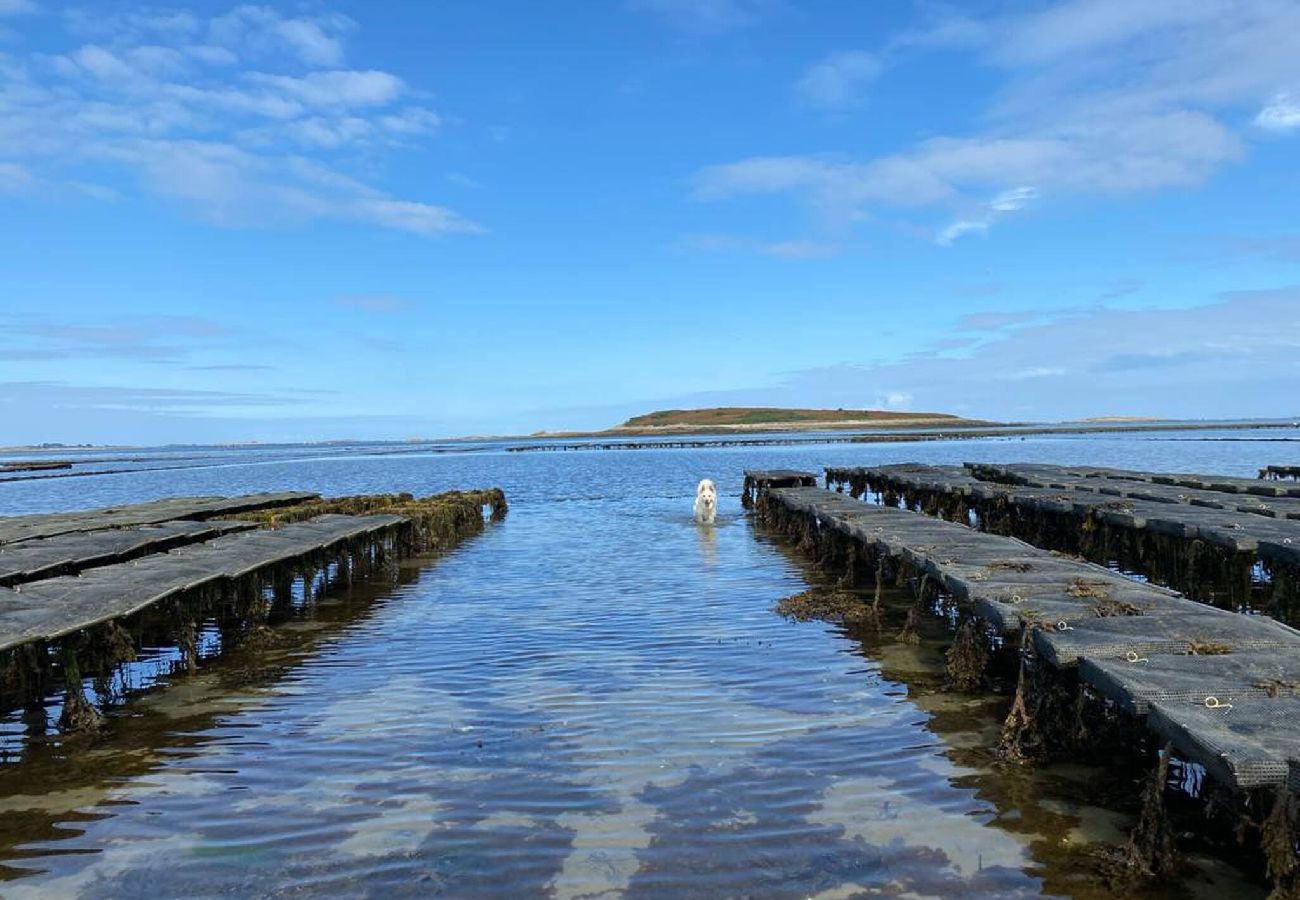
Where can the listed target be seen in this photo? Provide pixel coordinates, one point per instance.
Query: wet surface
(593, 698)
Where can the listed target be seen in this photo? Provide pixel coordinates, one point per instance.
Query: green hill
(743, 416)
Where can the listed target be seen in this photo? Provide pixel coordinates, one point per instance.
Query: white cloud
(103, 64)
(788, 249)
(1034, 372)
(145, 338)
(374, 303)
(460, 179)
(705, 16)
(316, 40)
(835, 82)
(1281, 114)
(837, 190)
(1225, 359)
(1014, 199)
(960, 227)
(1099, 97)
(211, 54)
(15, 179)
(992, 321)
(335, 88)
(1005, 202)
(421, 218)
(413, 120)
(800, 249)
(947, 30)
(1098, 156)
(1085, 26)
(189, 107)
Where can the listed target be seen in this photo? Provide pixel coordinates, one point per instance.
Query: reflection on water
(708, 540)
(593, 698)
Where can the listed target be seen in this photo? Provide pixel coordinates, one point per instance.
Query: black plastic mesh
(1249, 743)
(48, 609)
(1229, 678)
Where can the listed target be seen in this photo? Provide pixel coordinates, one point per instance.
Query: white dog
(706, 502)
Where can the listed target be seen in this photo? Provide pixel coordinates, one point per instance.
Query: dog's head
(707, 492)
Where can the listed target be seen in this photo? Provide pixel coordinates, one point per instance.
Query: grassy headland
(725, 419)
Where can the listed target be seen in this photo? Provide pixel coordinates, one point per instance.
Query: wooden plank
(22, 528)
(46, 610)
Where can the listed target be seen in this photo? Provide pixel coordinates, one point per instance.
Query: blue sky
(385, 220)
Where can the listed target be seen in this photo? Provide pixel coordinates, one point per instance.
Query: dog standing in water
(706, 502)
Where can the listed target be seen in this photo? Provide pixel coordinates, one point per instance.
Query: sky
(332, 220)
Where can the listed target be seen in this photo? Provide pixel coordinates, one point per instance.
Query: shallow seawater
(594, 698)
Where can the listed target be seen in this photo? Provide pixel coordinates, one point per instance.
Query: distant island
(752, 426)
(769, 416)
(743, 419)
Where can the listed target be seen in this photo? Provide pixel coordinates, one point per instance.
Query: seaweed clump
(1278, 839)
(1276, 687)
(1206, 648)
(78, 714)
(1085, 587)
(1044, 710)
(911, 633)
(1151, 851)
(1105, 609)
(830, 606)
(110, 645)
(968, 657)
(433, 523)
(24, 676)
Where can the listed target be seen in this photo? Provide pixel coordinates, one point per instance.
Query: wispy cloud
(1285, 248)
(374, 303)
(1223, 359)
(988, 213)
(1281, 114)
(992, 321)
(1099, 97)
(706, 17)
(234, 367)
(15, 179)
(836, 191)
(121, 397)
(838, 81)
(16, 7)
(800, 249)
(247, 117)
(835, 82)
(793, 249)
(141, 338)
(460, 179)
(1123, 288)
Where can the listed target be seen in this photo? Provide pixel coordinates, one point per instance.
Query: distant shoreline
(592, 440)
(846, 432)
